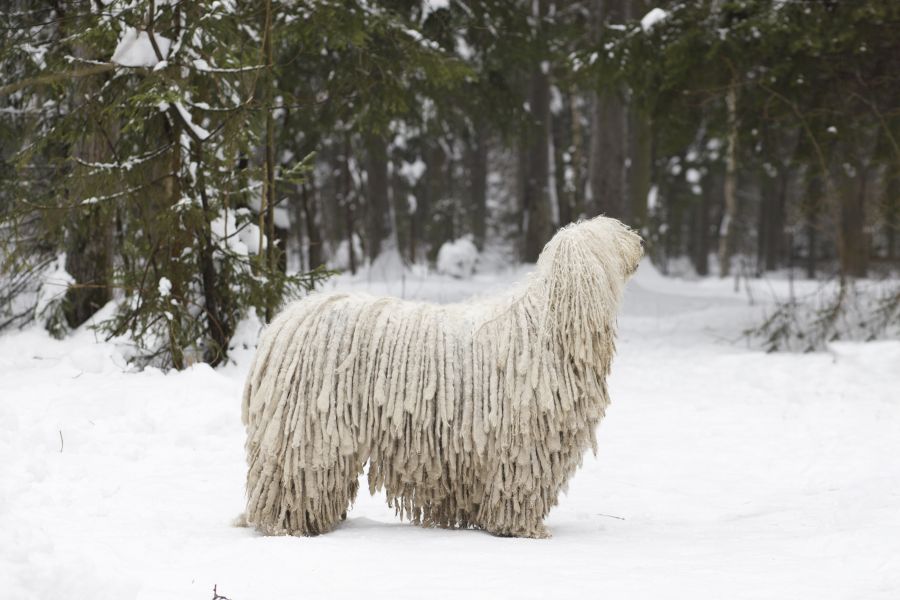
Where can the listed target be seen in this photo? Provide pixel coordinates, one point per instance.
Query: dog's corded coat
(472, 414)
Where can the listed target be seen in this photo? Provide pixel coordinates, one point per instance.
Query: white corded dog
(469, 415)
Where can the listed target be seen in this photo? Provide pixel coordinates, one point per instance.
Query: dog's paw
(240, 521)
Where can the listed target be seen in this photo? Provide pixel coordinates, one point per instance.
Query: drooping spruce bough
(468, 415)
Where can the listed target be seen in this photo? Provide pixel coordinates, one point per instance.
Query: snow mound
(340, 259)
(458, 258)
(387, 266)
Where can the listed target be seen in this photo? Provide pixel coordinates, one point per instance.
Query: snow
(457, 258)
(55, 281)
(280, 215)
(136, 50)
(38, 54)
(652, 18)
(340, 258)
(199, 132)
(652, 198)
(722, 472)
(165, 287)
(692, 175)
(238, 236)
(429, 6)
(463, 49)
(556, 100)
(412, 171)
(418, 37)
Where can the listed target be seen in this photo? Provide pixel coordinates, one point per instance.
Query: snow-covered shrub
(852, 311)
(36, 293)
(458, 258)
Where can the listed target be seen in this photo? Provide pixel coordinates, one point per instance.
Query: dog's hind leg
(516, 499)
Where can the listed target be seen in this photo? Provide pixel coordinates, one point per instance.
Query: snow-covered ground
(722, 472)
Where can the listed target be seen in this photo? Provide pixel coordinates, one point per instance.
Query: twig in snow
(61, 443)
(216, 595)
(610, 516)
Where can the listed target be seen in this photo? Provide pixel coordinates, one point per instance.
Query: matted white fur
(468, 415)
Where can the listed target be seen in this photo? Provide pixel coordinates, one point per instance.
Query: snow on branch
(135, 49)
(654, 16)
(199, 132)
(203, 66)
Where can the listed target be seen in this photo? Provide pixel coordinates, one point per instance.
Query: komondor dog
(469, 415)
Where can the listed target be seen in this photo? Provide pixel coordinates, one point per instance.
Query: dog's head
(606, 242)
(581, 276)
(630, 245)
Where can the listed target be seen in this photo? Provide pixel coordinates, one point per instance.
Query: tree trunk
(377, 211)
(774, 248)
(762, 225)
(88, 246)
(267, 207)
(852, 241)
(478, 171)
(431, 221)
(536, 194)
(769, 223)
(892, 213)
(87, 261)
(729, 216)
(347, 203)
(218, 321)
(313, 232)
(609, 147)
(174, 244)
(88, 240)
(641, 167)
(326, 195)
(812, 204)
(578, 153)
(295, 249)
(561, 155)
(701, 249)
(609, 152)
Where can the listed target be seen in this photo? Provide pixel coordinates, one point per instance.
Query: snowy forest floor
(722, 472)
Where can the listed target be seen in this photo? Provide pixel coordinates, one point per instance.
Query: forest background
(198, 162)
